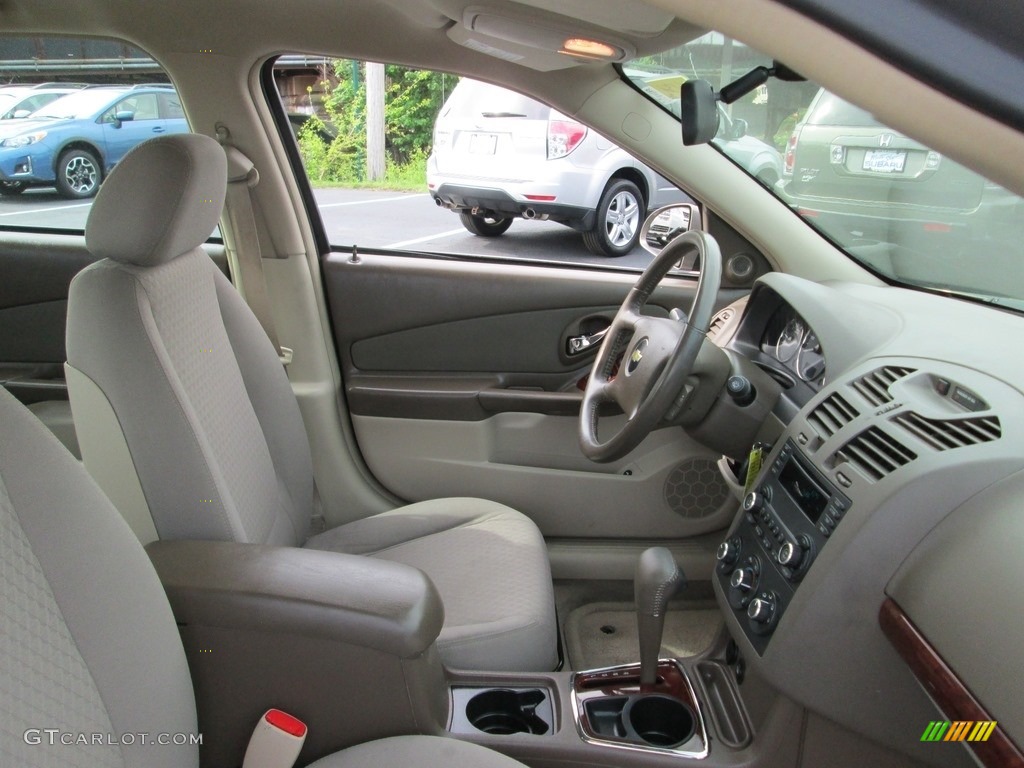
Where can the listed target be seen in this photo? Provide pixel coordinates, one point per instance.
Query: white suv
(499, 155)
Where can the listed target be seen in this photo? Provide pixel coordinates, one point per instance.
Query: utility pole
(374, 121)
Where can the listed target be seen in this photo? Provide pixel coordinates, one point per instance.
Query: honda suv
(866, 183)
(499, 155)
(73, 142)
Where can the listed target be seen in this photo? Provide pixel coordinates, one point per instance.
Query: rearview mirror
(698, 106)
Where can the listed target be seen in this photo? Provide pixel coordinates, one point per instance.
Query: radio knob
(791, 555)
(761, 609)
(729, 551)
(753, 501)
(742, 579)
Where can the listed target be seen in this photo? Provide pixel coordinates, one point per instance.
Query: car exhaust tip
(529, 213)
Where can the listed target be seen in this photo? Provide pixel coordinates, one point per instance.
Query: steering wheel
(660, 352)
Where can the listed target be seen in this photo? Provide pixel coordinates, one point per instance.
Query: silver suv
(499, 155)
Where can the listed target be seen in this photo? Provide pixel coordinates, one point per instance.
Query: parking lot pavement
(369, 219)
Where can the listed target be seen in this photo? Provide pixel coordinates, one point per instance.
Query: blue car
(73, 142)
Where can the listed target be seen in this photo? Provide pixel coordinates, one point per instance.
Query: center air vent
(944, 434)
(874, 453)
(832, 414)
(874, 386)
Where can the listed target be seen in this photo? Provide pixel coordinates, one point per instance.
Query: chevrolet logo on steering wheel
(636, 356)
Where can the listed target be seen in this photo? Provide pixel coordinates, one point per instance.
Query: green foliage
(412, 100)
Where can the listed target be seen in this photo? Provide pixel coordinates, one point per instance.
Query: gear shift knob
(657, 580)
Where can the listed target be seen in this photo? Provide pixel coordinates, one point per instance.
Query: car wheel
(768, 178)
(485, 226)
(78, 174)
(12, 187)
(619, 215)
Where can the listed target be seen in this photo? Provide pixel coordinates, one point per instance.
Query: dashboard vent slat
(874, 386)
(875, 453)
(832, 414)
(945, 434)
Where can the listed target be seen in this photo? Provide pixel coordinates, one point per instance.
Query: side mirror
(121, 117)
(666, 224)
(739, 128)
(20, 113)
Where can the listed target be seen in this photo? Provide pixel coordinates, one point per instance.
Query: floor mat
(605, 634)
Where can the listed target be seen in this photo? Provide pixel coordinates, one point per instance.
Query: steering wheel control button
(636, 356)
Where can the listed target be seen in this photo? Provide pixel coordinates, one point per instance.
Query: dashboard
(899, 411)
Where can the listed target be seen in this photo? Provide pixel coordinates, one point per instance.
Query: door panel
(459, 382)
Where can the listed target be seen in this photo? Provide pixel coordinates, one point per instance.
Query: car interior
(269, 499)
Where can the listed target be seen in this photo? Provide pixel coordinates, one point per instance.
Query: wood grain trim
(945, 688)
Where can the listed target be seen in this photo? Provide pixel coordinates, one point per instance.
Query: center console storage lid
(359, 600)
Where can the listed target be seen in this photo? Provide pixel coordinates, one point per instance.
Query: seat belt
(242, 177)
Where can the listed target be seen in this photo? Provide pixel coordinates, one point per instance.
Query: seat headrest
(162, 200)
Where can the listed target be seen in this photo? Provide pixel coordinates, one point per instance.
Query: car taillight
(563, 137)
(790, 159)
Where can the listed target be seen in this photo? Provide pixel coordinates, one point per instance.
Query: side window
(141, 107)
(170, 107)
(51, 170)
(462, 167)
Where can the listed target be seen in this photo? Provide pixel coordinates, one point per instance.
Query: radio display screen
(804, 491)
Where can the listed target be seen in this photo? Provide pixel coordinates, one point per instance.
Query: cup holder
(651, 719)
(660, 721)
(502, 711)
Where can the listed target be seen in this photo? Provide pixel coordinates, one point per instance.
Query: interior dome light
(584, 47)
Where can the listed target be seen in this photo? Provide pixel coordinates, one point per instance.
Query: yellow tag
(753, 465)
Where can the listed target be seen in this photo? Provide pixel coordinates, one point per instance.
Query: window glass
(462, 167)
(53, 161)
(897, 206)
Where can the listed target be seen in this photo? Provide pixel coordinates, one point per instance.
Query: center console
(787, 519)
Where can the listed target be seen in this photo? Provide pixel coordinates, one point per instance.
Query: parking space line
(45, 210)
(426, 239)
(373, 200)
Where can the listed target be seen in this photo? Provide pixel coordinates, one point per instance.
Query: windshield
(895, 205)
(76, 105)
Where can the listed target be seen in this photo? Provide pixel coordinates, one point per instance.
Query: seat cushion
(419, 751)
(490, 565)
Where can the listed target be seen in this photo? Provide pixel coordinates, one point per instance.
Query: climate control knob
(753, 501)
(729, 551)
(742, 579)
(791, 555)
(761, 609)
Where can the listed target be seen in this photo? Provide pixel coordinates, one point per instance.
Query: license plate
(884, 161)
(483, 143)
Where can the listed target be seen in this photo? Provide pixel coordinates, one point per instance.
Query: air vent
(832, 414)
(944, 434)
(875, 453)
(874, 386)
(718, 321)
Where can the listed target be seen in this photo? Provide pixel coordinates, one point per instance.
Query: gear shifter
(657, 580)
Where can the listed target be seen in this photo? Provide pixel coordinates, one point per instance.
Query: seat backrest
(90, 657)
(183, 411)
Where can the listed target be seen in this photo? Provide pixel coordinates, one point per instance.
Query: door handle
(577, 345)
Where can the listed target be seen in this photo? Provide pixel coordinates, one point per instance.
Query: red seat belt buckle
(276, 742)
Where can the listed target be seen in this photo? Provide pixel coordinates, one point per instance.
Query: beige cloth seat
(187, 420)
(89, 645)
